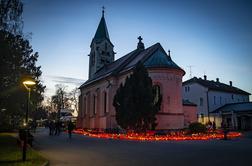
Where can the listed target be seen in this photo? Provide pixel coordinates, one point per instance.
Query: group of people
(211, 125)
(55, 127)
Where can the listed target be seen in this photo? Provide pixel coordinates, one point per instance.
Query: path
(86, 151)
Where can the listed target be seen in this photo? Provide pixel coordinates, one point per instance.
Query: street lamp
(28, 84)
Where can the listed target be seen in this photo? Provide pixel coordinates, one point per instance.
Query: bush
(197, 127)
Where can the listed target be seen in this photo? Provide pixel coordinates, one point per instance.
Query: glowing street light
(28, 85)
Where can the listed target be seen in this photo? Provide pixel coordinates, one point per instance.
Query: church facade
(96, 110)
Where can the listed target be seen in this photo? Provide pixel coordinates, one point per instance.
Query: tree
(73, 98)
(11, 16)
(136, 102)
(17, 61)
(60, 99)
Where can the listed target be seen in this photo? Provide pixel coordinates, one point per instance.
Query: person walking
(57, 128)
(70, 128)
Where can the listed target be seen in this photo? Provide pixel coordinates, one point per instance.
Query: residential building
(210, 95)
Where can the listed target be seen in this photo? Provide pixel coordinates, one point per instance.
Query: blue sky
(212, 36)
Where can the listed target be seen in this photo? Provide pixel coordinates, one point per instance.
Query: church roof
(152, 57)
(215, 85)
(102, 31)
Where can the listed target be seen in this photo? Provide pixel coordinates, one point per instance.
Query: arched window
(93, 58)
(157, 94)
(84, 106)
(94, 104)
(105, 102)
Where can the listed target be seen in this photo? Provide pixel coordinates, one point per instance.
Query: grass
(11, 153)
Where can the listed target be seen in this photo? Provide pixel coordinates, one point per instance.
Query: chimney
(217, 80)
(230, 83)
(205, 77)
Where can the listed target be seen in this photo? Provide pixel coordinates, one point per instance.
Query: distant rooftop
(216, 85)
(235, 107)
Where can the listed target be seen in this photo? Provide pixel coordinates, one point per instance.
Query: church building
(96, 110)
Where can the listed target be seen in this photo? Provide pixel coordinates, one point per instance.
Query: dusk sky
(212, 36)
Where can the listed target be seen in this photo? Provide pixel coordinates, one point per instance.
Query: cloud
(64, 80)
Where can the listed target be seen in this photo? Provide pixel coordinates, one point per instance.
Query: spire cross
(140, 39)
(103, 8)
(169, 52)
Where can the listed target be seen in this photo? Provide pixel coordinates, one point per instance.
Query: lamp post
(28, 84)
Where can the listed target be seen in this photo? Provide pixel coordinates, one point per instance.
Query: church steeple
(102, 31)
(101, 48)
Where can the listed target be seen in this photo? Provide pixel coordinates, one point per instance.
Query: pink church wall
(171, 114)
(190, 113)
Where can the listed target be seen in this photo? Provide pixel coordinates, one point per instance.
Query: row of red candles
(151, 137)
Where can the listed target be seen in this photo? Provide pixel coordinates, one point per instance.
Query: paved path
(86, 151)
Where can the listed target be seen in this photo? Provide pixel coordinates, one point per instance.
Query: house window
(94, 105)
(214, 100)
(232, 96)
(201, 101)
(105, 102)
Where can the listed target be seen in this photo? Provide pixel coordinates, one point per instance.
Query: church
(96, 110)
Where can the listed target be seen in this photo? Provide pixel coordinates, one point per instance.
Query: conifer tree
(135, 101)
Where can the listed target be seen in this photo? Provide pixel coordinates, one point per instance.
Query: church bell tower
(101, 52)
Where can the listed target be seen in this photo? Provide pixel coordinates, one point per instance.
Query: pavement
(85, 151)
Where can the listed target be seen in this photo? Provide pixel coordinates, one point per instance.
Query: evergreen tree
(136, 102)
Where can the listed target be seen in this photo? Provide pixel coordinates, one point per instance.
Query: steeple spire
(102, 31)
(103, 8)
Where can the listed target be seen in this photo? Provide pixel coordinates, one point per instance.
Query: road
(86, 151)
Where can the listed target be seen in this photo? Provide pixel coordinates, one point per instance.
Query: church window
(93, 58)
(201, 101)
(157, 93)
(232, 96)
(94, 105)
(186, 89)
(220, 100)
(84, 106)
(105, 102)
(168, 100)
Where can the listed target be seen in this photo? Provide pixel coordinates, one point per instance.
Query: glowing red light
(177, 136)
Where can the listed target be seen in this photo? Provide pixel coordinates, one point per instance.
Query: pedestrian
(51, 128)
(70, 128)
(57, 127)
(214, 126)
